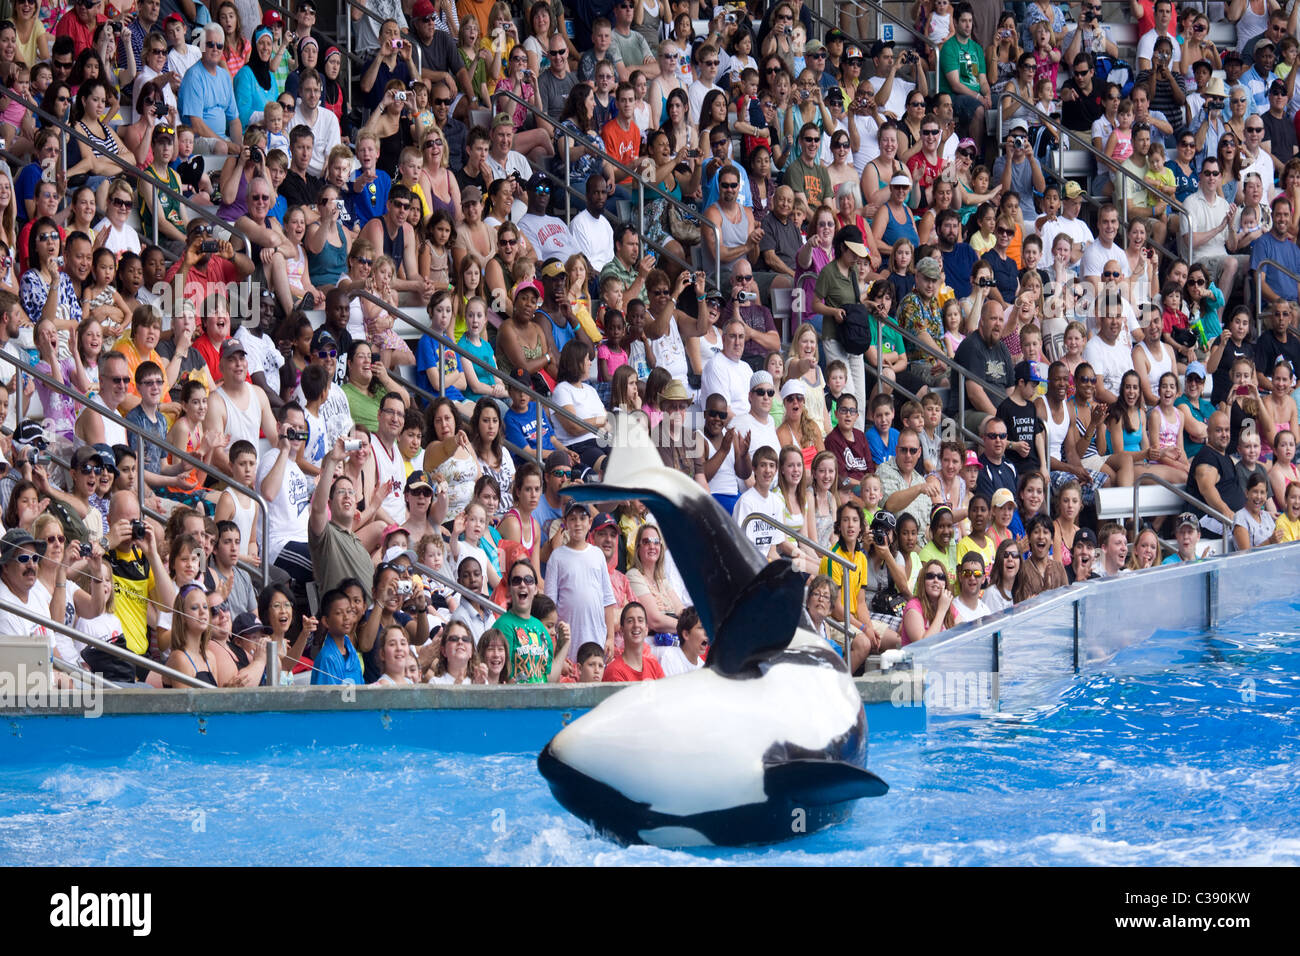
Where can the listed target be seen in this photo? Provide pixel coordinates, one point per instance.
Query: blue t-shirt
(25, 188)
(426, 357)
(484, 352)
(879, 450)
(333, 666)
(521, 428)
(1005, 274)
(279, 209)
(745, 196)
(372, 200)
(210, 98)
(1285, 253)
(957, 266)
(1184, 183)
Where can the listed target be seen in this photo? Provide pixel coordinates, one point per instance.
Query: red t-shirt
(82, 36)
(618, 670)
(854, 458)
(22, 242)
(208, 277)
(621, 144)
(924, 173)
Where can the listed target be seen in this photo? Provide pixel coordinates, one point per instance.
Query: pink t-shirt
(912, 605)
(613, 360)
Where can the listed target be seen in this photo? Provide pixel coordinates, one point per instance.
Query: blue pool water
(1181, 751)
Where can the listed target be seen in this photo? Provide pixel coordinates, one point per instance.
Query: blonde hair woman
(799, 429)
(802, 364)
(648, 580)
(191, 631)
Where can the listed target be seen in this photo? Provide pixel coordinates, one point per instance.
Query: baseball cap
(813, 46)
(1073, 190)
(930, 268)
(900, 179)
(106, 457)
(557, 459)
(1233, 55)
(418, 479)
(1277, 88)
(792, 387)
(552, 268)
(835, 36)
(1025, 372)
(526, 286)
(232, 346)
(84, 454)
(761, 378)
(246, 624)
(471, 194)
(603, 520)
(503, 119)
(1186, 518)
(1002, 497)
(323, 337)
(851, 238)
(536, 180)
(1197, 369)
(1085, 536)
(852, 53)
(16, 538)
(29, 432)
(1017, 123)
(422, 9)
(269, 18)
(574, 506)
(397, 551)
(173, 16)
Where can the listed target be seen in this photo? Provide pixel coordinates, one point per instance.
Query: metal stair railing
(1080, 141)
(134, 172)
(882, 16)
(163, 444)
(1223, 519)
(641, 186)
(121, 653)
(1259, 283)
(445, 343)
(460, 589)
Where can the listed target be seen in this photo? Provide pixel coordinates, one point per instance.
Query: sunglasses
(120, 379)
(562, 473)
(47, 236)
(655, 541)
(1003, 231)
(929, 132)
(214, 45)
(121, 203)
(27, 558)
(1081, 72)
(658, 291)
(1192, 282)
(810, 139)
(770, 70)
(52, 538)
(730, 185)
(992, 436)
(745, 277)
(261, 197)
(520, 580)
(222, 608)
(908, 449)
(152, 383)
(1112, 275)
(401, 204)
(1090, 380)
(327, 353)
(721, 415)
(420, 492)
(969, 573)
(935, 576)
(764, 392)
(363, 261)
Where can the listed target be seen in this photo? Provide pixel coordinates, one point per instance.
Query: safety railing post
(640, 208)
(568, 182)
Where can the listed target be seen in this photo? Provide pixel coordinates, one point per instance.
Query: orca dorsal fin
(762, 618)
(821, 782)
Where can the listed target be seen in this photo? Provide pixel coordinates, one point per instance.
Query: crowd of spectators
(927, 353)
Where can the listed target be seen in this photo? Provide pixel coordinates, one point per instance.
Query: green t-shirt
(836, 290)
(813, 181)
(891, 340)
(966, 58)
(364, 406)
(531, 654)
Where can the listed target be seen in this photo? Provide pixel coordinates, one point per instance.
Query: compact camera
(404, 588)
(399, 96)
(908, 56)
(210, 246)
(743, 296)
(986, 283)
(138, 530)
(160, 110)
(1019, 142)
(353, 444)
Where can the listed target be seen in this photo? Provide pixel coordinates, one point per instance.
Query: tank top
(1251, 24)
(327, 265)
(1168, 434)
(238, 206)
(437, 202)
(734, 233)
(394, 246)
(242, 423)
(390, 468)
(1083, 430)
(1132, 439)
(896, 229)
(527, 536)
(205, 676)
(244, 517)
(1158, 367)
(1057, 432)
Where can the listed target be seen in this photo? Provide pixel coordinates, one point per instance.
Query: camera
(908, 56)
(693, 153)
(986, 283)
(743, 296)
(3, 144)
(404, 588)
(1090, 16)
(210, 246)
(160, 110)
(1019, 142)
(399, 96)
(730, 18)
(294, 434)
(138, 530)
(883, 523)
(340, 205)
(880, 537)
(353, 444)
(84, 550)
(58, 261)
(395, 44)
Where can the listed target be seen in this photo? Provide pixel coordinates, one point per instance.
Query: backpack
(855, 330)
(73, 526)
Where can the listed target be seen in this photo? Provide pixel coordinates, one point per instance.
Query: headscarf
(330, 89)
(261, 68)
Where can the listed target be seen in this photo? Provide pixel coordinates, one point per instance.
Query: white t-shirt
(761, 433)
(670, 353)
(724, 481)
(356, 322)
(963, 613)
(549, 236)
(262, 354)
(1095, 257)
(106, 627)
(594, 237)
(1147, 47)
(289, 510)
(1202, 216)
(334, 412)
(121, 240)
(13, 624)
(762, 536)
(390, 468)
(1110, 362)
(868, 141)
(578, 583)
(585, 402)
(674, 662)
(70, 609)
(1076, 229)
(898, 94)
(728, 378)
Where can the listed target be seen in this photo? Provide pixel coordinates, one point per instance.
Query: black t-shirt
(1268, 348)
(991, 363)
(301, 191)
(192, 362)
(1023, 424)
(1081, 113)
(1005, 274)
(1223, 374)
(1226, 484)
(464, 179)
(1281, 136)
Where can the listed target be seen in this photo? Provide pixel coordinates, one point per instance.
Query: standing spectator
(1209, 228)
(962, 74)
(207, 96)
(577, 580)
(288, 493)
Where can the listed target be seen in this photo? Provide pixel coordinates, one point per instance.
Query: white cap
(792, 387)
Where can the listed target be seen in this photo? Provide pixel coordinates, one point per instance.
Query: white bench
(1116, 504)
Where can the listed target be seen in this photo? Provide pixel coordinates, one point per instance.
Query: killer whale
(765, 743)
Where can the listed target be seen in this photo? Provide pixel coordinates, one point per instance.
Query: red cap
(173, 16)
(271, 17)
(422, 9)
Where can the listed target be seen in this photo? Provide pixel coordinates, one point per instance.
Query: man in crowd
(958, 256)
(556, 82)
(985, 355)
(962, 73)
(591, 231)
(1209, 226)
(1164, 27)
(904, 486)
(756, 424)
(781, 239)
(577, 580)
(20, 554)
(1213, 476)
(632, 46)
(806, 174)
(336, 553)
(475, 172)
(549, 235)
(1061, 215)
(761, 336)
(1082, 97)
(300, 187)
(440, 62)
(892, 91)
(1277, 246)
(237, 408)
(453, 128)
(726, 374)
(1108, 352)
(323, 124)
(140, 575)
(628, 264)
(207, 96)
(1103, 249)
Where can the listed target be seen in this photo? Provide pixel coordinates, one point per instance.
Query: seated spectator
(636, 663)
(931, 610)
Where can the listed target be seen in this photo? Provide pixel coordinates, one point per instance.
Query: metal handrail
(134, 172)
(1063, 138)
(1259, 288)
(460, 589)
(642, 185)
(1225, 520)
(960, 420)
(119, 652)
(419, 65)
(444, 342)
(113, 416)
(83, 675)
(846, 570)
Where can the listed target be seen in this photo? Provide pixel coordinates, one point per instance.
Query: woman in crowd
(803, 364)
(677, 174)
(1142, 262)
(44, 256)
(648, 578)
(1039, 571)
(1145, 552)
(391, 123)
(1253, 526)
(1002, 577)
(493, 457)
(1069, 502)
(91, 165)
(813, 256)
(878, 172)
(368, 381)
(190, 635)
(255, 83)
(578, 120)
(575, 395)
(930, 611)
(237, 47)
(327, 243)
(1229, 150)
(457, 661)
(275, 610)
(450, 456)
(518, 523)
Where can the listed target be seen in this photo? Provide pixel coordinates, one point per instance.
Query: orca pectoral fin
(762, 619)
(821, 782)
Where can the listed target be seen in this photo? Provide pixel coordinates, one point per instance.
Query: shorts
(964, 107)
(1214, 265)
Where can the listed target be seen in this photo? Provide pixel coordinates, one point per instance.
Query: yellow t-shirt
(1290, 529)
(857, 577)
(132, 582)
(966, 545)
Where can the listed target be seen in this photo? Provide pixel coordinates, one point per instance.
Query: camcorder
(294, 434)
(352, 444)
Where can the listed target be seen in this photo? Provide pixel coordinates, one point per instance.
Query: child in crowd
(611, 299)
(480, 382)
(203, 192)
(1160, 179)
(611, 357)
(1119, 146)
(576, 272)
(520, 423)
(410, 441)
(873, 494)
(1047, 57)
(930, 430)
(1031, 351)
(639, 354)
(837, 379)
(273, 120)
(470, 536)
(236, 506)
(952, 336)
(424, 117)
(883, 437)
(591, 665)
(1174, 317)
